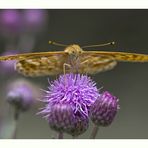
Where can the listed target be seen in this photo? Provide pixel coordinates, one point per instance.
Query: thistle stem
(60, 135)
(16, 114)
(16, 117)
(94, 132)
(15, 131)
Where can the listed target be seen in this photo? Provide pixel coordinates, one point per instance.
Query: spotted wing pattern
(91, 64)
(38, 64)
(120, 56)
(41, 66)
(99, 61)
(31, 55)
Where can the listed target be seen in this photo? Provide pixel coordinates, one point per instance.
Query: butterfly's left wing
(120, 56)
(92, 62)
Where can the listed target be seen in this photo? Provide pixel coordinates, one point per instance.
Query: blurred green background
(128, 81)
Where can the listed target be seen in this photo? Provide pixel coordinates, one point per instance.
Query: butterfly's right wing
(41, 66)
(38, 64)
(25, 56)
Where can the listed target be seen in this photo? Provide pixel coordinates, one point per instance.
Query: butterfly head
(74, 51)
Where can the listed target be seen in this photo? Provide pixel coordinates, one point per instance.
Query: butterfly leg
(64, 67)
(85, 63)
(64, 70)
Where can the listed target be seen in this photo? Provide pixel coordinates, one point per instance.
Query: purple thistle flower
(79, 126)
(62, 119)
(68, 102)
(104, 109)
(77, 90)
(20, 94)
(35, 19)
(10, 21)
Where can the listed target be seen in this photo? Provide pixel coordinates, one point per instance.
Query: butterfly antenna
(56, 44)
(99, 45)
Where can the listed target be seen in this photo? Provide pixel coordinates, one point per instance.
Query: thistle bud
(104, 109)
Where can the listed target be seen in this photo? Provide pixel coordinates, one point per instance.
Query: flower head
(104, 109)
(62, 118)
(35, 19)
(68, 102)
(20, 94)
(10, 21)
(77, 90)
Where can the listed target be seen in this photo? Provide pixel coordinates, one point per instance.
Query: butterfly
(72, 59)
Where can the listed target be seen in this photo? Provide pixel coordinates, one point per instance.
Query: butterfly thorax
(74, 51)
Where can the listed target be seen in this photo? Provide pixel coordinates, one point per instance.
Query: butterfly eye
(73, 52)
(80, 51)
